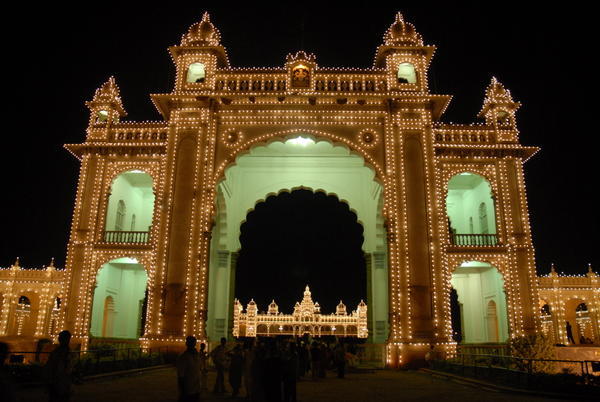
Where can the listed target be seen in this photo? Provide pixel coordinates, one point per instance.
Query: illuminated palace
(306, 320)
(156, 222)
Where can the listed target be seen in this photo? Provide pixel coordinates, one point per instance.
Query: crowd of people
(268, 368)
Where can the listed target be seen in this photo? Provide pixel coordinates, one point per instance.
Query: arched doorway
(298, 238)
(578, 316)
(318, 167)
(120, 290)
(483, 308)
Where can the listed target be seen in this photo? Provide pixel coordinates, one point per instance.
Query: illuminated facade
(570, 299)
(306, 319)
(159, 204)
(30, 301)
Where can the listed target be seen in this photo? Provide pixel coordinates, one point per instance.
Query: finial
(399, 17)
(590, 268)
(552, 270)
(17, 265)
(51, 265)
(206, 17)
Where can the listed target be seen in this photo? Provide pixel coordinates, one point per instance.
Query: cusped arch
(314, 191)
(285, 135)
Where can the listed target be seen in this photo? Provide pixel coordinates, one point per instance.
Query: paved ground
(381, 386)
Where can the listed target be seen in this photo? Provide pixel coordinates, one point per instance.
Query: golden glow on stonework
(225, 111)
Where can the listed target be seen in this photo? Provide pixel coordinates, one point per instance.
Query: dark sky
(60, 56)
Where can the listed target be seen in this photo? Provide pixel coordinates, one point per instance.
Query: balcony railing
(474, 239)
(129, 237)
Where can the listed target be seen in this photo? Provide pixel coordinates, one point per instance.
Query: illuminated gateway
(156, 222)
(306, 319)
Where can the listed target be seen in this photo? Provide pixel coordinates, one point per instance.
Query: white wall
(477, 284)
(138, 198)
(463, 202)
(126, 283)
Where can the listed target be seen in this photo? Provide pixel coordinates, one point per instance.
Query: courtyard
(382, 385)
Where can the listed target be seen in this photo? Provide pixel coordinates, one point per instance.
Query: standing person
(247, 374)
(236, 366)
(219, 357)
(339, 357)
(59, 369)
(188, 372)
(302, 359)
(430, 356)
(289, 372)
(325, 359)
(315, 360)
(203, 367)
(6, 381)
(570, 333)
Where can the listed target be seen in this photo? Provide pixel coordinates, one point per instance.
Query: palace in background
(306, 319)
(156, 221)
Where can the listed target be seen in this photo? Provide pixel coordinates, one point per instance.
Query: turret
(499, 111)
(251, 308)
(273, 308)
(341, 309)
(106, 106)
(404, 56)
(198, 56)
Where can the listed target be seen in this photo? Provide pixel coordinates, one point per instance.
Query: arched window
(406, 74)
(483, 220)
(102, 116)
(120, 217)
(108, 317)
(470, 208)
(24, 304)
(196, 73)
(492, 321)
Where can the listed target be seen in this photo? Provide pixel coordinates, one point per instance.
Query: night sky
(61, 56)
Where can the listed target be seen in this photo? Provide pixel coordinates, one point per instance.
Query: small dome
(402, 33)
(202, 33)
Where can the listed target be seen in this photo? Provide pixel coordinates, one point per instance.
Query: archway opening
(130, 208)
(299, 238)
(471, 211)
(483, 310)
(272, 173)
(578, 316)
(119, 298)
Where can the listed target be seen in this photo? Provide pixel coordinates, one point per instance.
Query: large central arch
(300, 161)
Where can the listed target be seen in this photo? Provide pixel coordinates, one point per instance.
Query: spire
(552, 270)
(107, 98)
(51, 266)
(590, 272)
(498, 103)
(16, 265)
(202, 33)
(402, 33)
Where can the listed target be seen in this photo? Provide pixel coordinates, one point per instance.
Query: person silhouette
(570, 333)
(58, 370)
(188, 372)
(219, 356)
